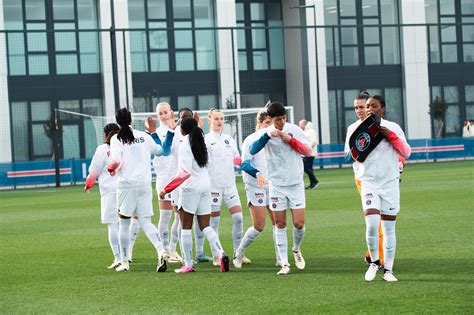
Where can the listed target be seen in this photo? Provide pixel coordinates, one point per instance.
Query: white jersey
(347, 149)
(98, 167)
(163, 164)
(381, 166)
(222, 150)
(134, 170)
(258, 161)
(199, 181)
(285, 165)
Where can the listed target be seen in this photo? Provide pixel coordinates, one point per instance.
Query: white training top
(134, 170)
(221, 149)
(199, 181)
(163, 164)
(98, 167)
(258, 161)
(285, 165)
(347, 149)
(381, 166)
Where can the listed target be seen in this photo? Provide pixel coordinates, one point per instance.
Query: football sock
(389, 244)
(113, 229)
(213, 240)
(277, 255)
(215, 223)
(124, 238)
(237, 229)
(282, 244)
(372, 223)
(187, 241)
(134, 229)
(174, 233)
(163, 227)
(199, 237)
(250, 235)
(381, 246)
(298, 236)
(151, 232)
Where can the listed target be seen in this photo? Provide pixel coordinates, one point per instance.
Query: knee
(280, 223)
(237, 219)
(299, 224)
(259, 226)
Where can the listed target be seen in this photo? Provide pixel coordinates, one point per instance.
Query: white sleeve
(245, 150)
(98, 162)
(299, 135)
(116, 149)
(234, 148)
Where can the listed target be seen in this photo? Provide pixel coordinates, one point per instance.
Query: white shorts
(282, 197)
(108, 208)
(160, 185)
(228, 194)
(195, 203)
(256, 196)
(386, 199)
(175, 197)
(135, 201)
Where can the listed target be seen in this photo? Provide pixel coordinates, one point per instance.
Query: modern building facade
(93, 56)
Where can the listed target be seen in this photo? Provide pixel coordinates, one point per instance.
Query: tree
(438, 111)
(53, 131)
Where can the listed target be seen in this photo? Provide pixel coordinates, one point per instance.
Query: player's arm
(300, 145)
(399, 143)
(347, 150)
(168, 142)
(94, 170)
(185, 164)
(115, 156)
(237, 159)
(259, 144)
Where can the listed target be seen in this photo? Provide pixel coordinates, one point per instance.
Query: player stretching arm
(284, 144)
(195, 194)
(130, 161)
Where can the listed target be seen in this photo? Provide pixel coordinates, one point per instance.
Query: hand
(162, 194)
(171, 122)
(261, 180)
(384, 131)
(150, 125)
(199, 120)
(285, 137)
(90, 181)
(400, 167)
(275, 133)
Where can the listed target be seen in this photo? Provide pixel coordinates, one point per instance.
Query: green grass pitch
(54, 252)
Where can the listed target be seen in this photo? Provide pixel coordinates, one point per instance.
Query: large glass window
(450, 41)
(172, 40)
(259, 47)
(453, 122)
(348, 44)
(74, 51)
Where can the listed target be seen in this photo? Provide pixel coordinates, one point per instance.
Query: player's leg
(134, 230)
(277, 255)
(126, 204)
(258, 223)
(200, 238)
(186, 220)
(278, 205)
(390, 209)
(144, 213)
(371, 203)
(204, 217)
(108, 215)
(297, 201)
(166, 212)
(216, 201)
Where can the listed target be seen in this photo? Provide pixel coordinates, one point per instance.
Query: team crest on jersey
(260, 200)
(362, 141)
(215, 200)
(274, 205)
(226, 141)
(368, 202)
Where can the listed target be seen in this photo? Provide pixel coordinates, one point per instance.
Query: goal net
(239, 123)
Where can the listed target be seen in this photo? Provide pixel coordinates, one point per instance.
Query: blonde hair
(261, 116)
(212, 110)
(163, 104)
